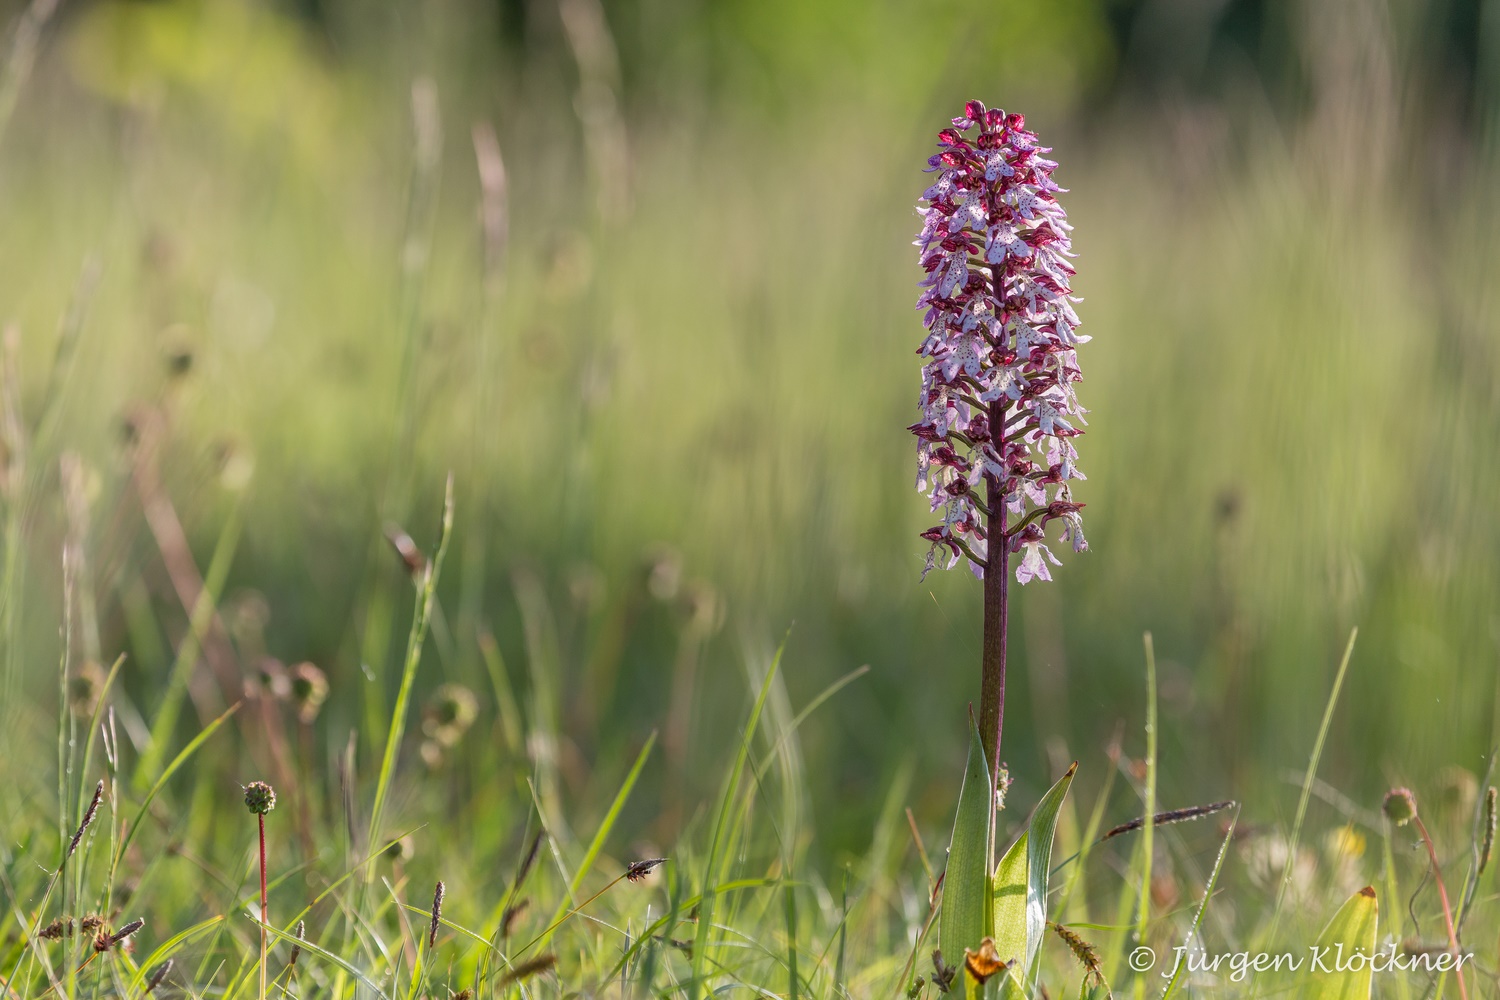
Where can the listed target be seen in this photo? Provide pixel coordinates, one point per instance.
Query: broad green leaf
(1351, 930)
(967, 907)
(1010, 901)
(1020, 886)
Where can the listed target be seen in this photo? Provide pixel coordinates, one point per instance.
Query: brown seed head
(309, 690)
(88, 817)
(529, 968)
(291, 962)
(511, 915)
(158, 975)
(437, 914)
(56, 930)
(1487, 835)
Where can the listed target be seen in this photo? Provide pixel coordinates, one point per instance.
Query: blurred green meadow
(266, 279)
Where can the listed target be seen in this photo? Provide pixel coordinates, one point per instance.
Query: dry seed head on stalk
(529, 968)
(402, 849)
(1087, 954)
(260, 798)
(159, 975)
(105, 940)
(437, 914)
(88, 817)
(512, 913)
(1400, 806)
(309, 689)
(527, 862)
(56, 930)
(291, 962)
(450, 712)
(1487, 846)
(85, 685)
(942, 972)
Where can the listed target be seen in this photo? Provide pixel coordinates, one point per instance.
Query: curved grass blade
(312, 949)
(1148, 827)
(1307, 784)
(596, 845)
(161, 781)
(415, 640)
(167, 947)
(1208, 893)
(968, 901)
(199, 620)
(724, 835)
(661, 922)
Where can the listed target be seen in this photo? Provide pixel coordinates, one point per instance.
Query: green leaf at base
(1020, 884)
(1353, 928)
(967, 903)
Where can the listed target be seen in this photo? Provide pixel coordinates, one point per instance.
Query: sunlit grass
(674, 432)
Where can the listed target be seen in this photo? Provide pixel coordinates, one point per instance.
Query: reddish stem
(261, 819)
(996, 616)
(1437, 877)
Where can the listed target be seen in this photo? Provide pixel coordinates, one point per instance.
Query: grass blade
(414, 643)
(722, 834)
(1148, 828)
(1307, 783)
(1041, 830)
(178, 761)
(1208, 892)
(597, 844)
(187, 653)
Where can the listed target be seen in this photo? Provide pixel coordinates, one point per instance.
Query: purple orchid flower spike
(995, 451)
(999, 412)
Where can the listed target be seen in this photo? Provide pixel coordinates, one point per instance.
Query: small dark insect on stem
(638, 870)
(635, 871)
(1170, 816)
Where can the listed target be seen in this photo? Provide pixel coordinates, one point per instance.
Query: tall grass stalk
(426, 595)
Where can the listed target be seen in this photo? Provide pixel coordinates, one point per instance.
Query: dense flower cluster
(998, 409)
